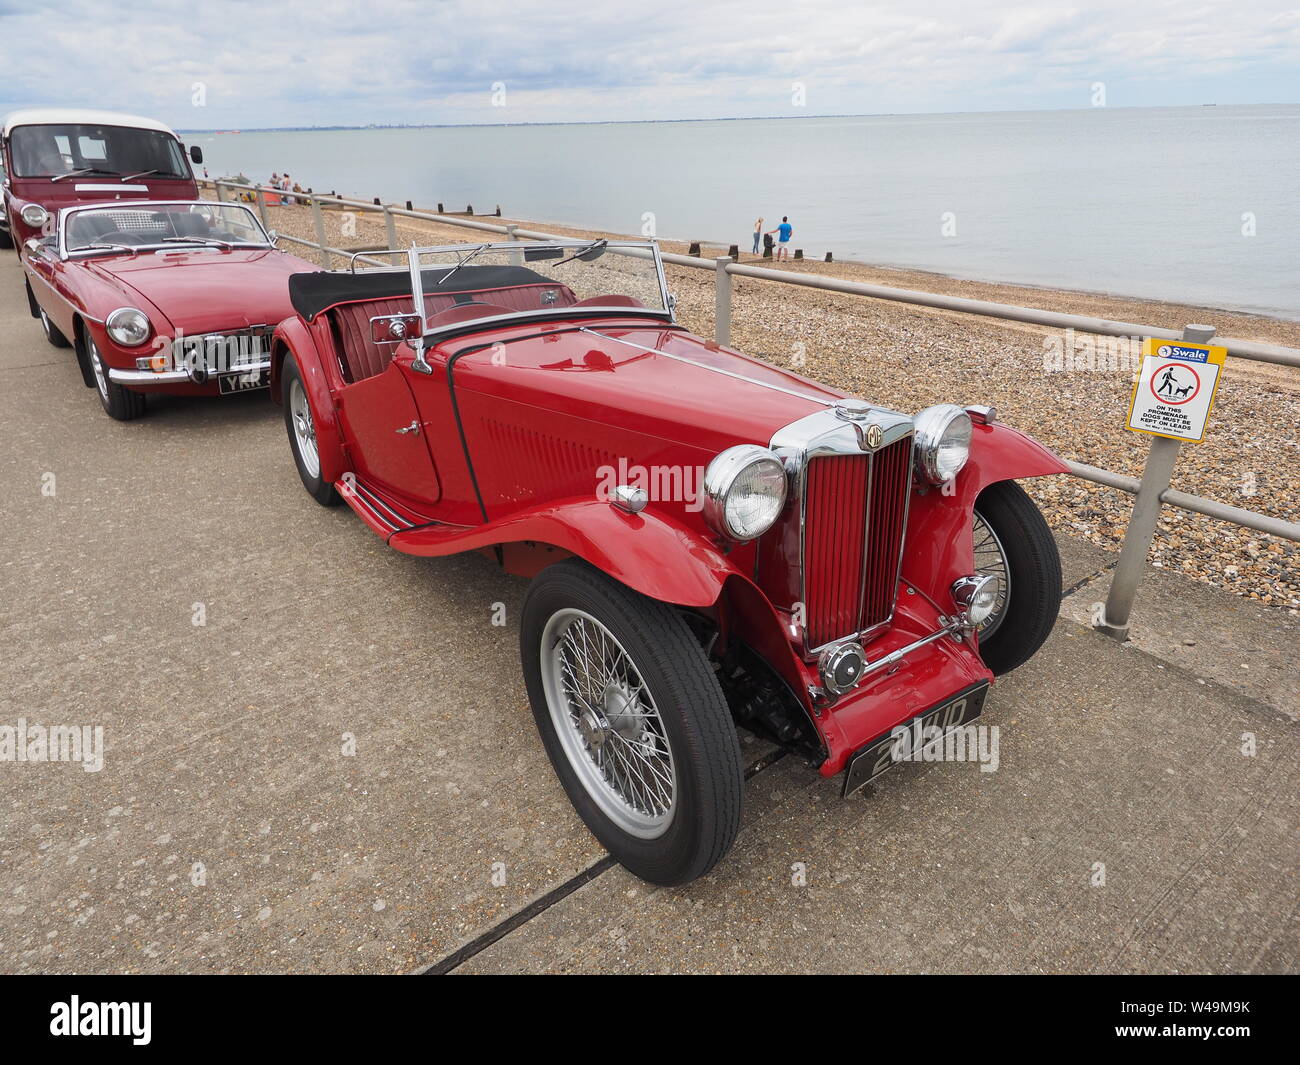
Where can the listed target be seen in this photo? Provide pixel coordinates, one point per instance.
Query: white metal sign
(1175, 388)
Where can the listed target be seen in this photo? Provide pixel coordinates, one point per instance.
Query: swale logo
(102, 1018)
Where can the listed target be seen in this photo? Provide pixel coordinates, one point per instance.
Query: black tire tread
(55, 336)
(1035, 565)
(122, 404)
(317, 487)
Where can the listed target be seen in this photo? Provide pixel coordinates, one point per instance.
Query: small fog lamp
(977, 596)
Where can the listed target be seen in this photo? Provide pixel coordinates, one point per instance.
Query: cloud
(394, 61)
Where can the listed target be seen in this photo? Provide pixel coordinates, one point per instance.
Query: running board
(381, 517)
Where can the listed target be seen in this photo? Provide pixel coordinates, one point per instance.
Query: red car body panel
(503, 457)
(998, 453)
(193, 291)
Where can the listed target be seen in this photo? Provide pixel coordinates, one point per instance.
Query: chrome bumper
(172, 377)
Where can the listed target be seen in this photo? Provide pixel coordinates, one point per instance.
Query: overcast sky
(256, 65)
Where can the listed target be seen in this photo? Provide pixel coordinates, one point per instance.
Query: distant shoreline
(719, 118)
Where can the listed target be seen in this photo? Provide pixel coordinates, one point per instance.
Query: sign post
(1171, 402)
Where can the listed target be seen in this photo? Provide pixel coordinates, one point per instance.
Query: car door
(45, 274)
(387, 437)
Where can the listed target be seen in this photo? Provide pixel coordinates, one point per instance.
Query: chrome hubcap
(304, 429)
(97, 364)
(991, 558)
(608, 724)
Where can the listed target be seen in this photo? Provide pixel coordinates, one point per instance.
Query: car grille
(225, 352)
(855, 511)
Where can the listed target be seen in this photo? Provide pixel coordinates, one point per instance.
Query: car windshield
(466, 281)
(96, 151)
(143, 226)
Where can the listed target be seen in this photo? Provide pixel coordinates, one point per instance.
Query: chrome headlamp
(977, 596)
(942, 442)
(34, 215)
(744, 491)
(128, 327)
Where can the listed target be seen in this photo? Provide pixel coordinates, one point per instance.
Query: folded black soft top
(315, 292)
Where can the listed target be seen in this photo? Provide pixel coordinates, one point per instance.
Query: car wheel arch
(79, 347)
(743, 611)
(32, 305)
(945, 515)
(329, 438)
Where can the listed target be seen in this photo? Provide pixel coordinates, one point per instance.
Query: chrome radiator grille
(854, 515)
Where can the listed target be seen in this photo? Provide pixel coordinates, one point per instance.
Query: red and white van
(55, 158)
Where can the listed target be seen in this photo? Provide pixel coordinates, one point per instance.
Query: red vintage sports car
(711, 540)
(178, 297)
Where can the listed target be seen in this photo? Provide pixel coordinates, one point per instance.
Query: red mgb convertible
(178, 297)
(711, 540)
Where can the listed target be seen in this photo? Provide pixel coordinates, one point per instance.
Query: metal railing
(1151, 492)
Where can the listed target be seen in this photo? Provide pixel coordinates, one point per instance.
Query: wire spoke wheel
(991, 559)
(634, 722)
(608, 723)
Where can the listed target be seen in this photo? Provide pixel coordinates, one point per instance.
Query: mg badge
(872, 435)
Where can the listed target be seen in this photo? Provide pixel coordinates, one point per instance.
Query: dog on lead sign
(1175, 388)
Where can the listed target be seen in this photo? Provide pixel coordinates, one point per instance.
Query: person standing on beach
(785, 231)
(758, 234)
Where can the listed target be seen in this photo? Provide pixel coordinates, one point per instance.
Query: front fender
(650, 553)
(939, 548)
(293, 337)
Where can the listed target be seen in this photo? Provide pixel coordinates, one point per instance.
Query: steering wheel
(119, 236)
(466, 312)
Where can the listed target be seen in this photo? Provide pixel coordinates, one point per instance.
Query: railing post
(1142, 523)
(390, 228)
(261, 208)
(216, 185)
(516, 257)
(318, 219)
(722, 300)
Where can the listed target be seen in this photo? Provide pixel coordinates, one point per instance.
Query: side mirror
(394, 328)
(196, 153)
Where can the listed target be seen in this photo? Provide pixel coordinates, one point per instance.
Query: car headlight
(744, 491)
(942, 442)
(977, 595)
(34, 215)
(128, 327)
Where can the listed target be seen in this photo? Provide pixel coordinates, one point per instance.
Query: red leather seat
(362, 357)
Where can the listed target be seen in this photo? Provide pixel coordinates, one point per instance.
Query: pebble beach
(1070, 391)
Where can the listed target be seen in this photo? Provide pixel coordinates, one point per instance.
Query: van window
(46, 151)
